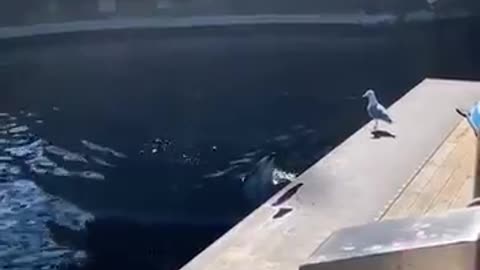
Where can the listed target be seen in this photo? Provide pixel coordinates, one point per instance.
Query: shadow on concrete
(377, 134)
(282, 212)
(288, 194)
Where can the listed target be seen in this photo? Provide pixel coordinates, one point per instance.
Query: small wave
(25, 211)
(103, 149)
(41, 161)
(241, 161)
(18, 129)
(65, 154)
(25, 150)
(59, 171)
(25, 147)
(221, 173)
(251, 154)
(281, 138)
(31, 114)
(8, 126)
(280, 177)
(7, 169)
(91, 175)
(102, 162)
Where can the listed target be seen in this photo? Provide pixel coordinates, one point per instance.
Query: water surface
(133, 149)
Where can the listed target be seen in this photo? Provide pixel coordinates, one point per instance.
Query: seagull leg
(375, 126)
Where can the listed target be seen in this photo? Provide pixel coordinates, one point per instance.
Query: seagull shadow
(288, 194)
(282, 212)
(377, 134)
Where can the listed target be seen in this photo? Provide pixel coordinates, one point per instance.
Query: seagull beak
(364, 95)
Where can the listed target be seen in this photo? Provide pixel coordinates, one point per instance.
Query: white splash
(280, 177)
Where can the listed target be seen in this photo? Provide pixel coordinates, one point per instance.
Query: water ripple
(25, 209)
(102, 149)
(24, 236)
(65, 154)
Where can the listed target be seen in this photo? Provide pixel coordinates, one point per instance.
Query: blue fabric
(474, 117)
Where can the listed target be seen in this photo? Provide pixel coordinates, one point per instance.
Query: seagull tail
(389, 120)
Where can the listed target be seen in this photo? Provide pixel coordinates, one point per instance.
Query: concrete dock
(444, 182)
(426, 168)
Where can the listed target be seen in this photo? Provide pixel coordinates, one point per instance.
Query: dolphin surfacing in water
(258, 185)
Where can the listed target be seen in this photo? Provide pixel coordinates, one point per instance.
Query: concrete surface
(444, 182)
(445, 241)
(352, 185)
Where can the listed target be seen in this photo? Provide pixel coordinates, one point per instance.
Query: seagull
(376, 110)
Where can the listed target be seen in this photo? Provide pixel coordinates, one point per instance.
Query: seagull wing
(379, 112)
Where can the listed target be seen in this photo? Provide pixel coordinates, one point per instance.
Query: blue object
(473, 117)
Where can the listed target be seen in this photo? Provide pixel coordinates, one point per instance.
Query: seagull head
(369, 93)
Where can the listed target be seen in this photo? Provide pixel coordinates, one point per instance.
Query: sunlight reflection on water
(25, 208)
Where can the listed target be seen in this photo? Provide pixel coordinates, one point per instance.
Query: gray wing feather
(379, 112)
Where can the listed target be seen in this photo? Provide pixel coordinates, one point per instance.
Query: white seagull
(376, 110)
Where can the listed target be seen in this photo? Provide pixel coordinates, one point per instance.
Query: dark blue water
(132, 150)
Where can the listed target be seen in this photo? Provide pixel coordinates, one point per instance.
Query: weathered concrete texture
(351, 185)
(445, 241)
(444, 182)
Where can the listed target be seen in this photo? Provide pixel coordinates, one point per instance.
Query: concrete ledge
(352, 185)
(444, 241)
